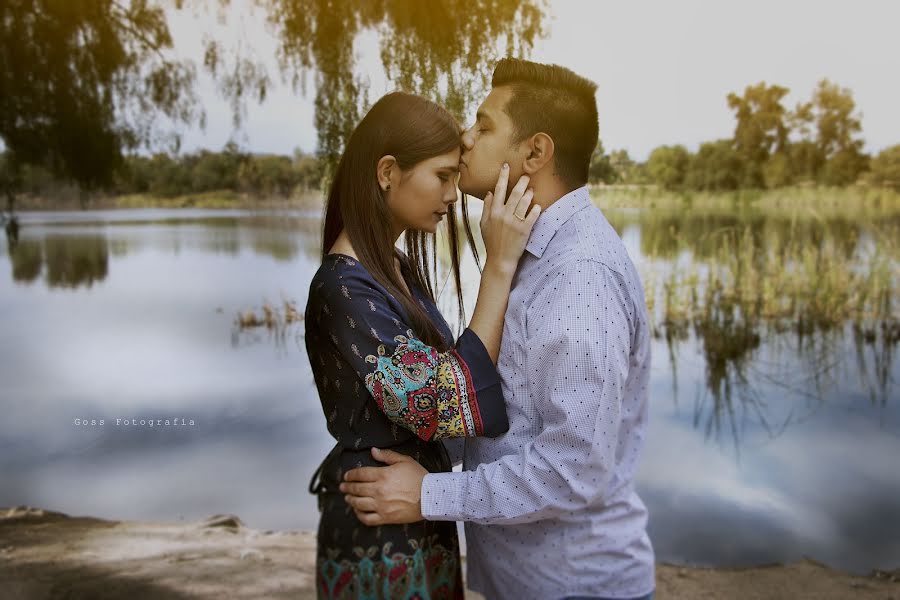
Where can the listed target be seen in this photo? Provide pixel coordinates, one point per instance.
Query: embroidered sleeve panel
(434, 394)
(426, 391)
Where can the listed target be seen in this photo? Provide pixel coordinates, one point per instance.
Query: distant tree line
(163, 175)
(818, 142)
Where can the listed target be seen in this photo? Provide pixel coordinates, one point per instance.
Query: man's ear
(385, 170)
(540, 153)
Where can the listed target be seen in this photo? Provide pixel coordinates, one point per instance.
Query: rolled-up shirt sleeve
(578, 361)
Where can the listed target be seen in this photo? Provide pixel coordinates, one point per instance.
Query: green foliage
(715, 166)
(668, 166)
(760, 130)
(843, 168)
(442, 49)
(885, 168)
(772, 147)
(777, 170)
(602, 169)
(83, 82)
(838, 151)
(165, 176)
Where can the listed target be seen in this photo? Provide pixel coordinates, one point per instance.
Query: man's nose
(467, 140)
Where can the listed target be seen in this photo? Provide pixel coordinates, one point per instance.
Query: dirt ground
(50, 555)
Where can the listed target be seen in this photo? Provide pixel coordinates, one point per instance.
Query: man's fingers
(358, 489)
(389, 456)
(361, 503)
(369, 518)
(362, 474)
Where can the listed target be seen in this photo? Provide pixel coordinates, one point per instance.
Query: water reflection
(767, 440)
(666, 233)
(75, 253)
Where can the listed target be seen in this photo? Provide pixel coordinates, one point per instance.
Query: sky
(663, 67)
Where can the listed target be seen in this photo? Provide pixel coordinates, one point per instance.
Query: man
(549, 507)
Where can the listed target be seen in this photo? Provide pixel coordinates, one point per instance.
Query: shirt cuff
(443, 496)
(485, 381)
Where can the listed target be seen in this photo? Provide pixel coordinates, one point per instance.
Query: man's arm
(578, 363)
(456, 448)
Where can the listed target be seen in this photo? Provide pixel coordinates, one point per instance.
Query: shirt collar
(551, 220)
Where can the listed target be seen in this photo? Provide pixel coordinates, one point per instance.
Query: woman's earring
(388, 188)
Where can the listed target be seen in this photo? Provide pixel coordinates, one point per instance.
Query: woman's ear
(384, 171)
(540, 152)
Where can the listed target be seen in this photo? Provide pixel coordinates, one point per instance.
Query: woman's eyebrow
(482, 116)
(454, 168)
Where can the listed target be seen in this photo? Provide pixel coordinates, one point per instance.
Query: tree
(667, 166)
(268, 175)
(837, 126)
(82, 79)
(623, 165)
(108, 77)
(829, 150)
(885, 168)
(309, 170)
(761, 128)
(601, 169)
(442, 49)
(715, 166)
(216, 170)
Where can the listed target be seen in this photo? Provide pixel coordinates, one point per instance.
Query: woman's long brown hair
(411, 129)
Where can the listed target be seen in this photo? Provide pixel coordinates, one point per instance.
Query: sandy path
(51, 555)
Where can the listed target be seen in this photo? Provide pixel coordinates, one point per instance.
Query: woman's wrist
(499, 269)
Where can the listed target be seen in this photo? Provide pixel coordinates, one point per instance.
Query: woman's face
(421, 195)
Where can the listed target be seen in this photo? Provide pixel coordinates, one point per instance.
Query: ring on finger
(518, 217)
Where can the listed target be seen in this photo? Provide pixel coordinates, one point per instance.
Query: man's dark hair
(553, 100)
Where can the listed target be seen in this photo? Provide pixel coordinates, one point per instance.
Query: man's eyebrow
(482, 116)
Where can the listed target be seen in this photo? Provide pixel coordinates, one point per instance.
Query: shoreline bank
(45, 553)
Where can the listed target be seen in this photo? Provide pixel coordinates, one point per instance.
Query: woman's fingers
(517, 192)
(500, 189)
(533, 217)
(488, 207)
(521, 209)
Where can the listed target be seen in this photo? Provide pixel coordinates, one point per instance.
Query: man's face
(487, 144)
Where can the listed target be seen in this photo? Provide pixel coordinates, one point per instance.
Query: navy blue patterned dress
(382, 386)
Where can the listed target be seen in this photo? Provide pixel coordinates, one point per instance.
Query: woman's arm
(505, 236)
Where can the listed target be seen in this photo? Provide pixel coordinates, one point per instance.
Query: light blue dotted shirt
(550, 506)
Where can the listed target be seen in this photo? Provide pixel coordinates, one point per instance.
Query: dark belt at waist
(317, 486)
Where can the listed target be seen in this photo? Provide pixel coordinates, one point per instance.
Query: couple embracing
(543, 397)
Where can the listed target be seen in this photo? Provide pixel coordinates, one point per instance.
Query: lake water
(119, 315)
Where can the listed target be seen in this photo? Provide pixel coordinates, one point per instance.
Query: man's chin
(468, 191)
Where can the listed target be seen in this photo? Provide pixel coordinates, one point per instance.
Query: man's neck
(547, 191)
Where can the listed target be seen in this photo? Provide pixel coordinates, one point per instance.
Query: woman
(385, 365)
